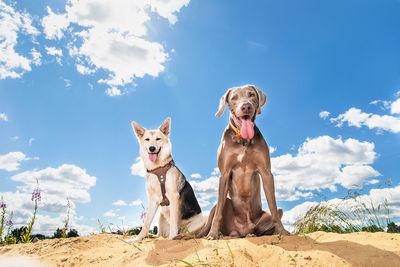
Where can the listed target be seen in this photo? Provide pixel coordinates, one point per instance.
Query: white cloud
(136, 203)
(137, 168)
(12, 160)
(167, 9)
(111, 36)
(3, 116)
(51, 50)
(36, 57)
(353, 176)
(373, 181)
(110, 213)
(290, 216)
(14, 138)
(386, 104)
(67, 83)
(395, 107)
(119, 203)
(54, 24)
(321, 163)
(66, 181)
(355, 117)
(13, 24)
(195, 175)
(113, 91)
(56, 186)
(83, 69)
(126, 57)
(324, 114)
(206, 190)
(31, 140)
(215, 171)
(272, 149)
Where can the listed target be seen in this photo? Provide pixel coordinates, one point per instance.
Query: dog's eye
(234, 97)
(147, 139)
(158, 139)
(252, 94)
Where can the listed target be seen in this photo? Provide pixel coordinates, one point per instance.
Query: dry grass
(354, 213)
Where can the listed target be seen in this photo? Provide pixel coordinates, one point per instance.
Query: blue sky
(74, 75)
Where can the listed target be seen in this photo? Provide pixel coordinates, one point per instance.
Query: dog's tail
(206, 228)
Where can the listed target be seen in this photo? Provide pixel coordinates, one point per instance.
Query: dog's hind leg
(163, 226)
(265, 225)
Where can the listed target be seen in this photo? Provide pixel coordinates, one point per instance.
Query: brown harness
(161, 173)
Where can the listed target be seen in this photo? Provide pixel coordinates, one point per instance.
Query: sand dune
(317, 249)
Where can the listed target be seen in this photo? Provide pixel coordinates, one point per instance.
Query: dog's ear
(222, 104)
(139, 130)
(262, 98)
(165, 127)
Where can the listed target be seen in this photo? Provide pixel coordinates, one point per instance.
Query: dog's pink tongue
(247, 129)
(152, 156)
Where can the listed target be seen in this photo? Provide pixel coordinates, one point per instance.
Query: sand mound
(317, 249)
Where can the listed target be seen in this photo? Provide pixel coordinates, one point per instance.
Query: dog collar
(237, 131)
(161, 173)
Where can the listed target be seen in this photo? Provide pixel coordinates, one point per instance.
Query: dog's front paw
(213, 235)
(172, 237)
(182, 237)
(279, 230)
(134, 240)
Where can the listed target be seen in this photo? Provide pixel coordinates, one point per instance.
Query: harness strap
(161, 173)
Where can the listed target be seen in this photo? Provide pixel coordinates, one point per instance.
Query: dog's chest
(243, 157)
(244, 168)
(173, 182)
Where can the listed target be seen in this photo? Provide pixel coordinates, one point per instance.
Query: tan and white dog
(166, 186)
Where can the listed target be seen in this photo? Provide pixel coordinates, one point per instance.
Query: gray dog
(243, 157)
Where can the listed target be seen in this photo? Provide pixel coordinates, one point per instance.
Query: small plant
(230, 251)
(143, 214)
(18, 232)
(3, 207)
(36, 197)
(66, 222)
(101, 226)
(109, 228)
(354, 213)
(73, 233)
(8, 239)
(58, 233)
(393, 228)
(216, 251)
(186, 263)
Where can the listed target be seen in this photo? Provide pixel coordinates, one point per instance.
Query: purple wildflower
(36, 195)
(3, 205)
(143, 215)
(9, 223)
(65, 229)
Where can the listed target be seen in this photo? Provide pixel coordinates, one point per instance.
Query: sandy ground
(317, 249)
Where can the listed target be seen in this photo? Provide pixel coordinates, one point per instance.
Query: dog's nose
(152, 149)
(246, 107)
